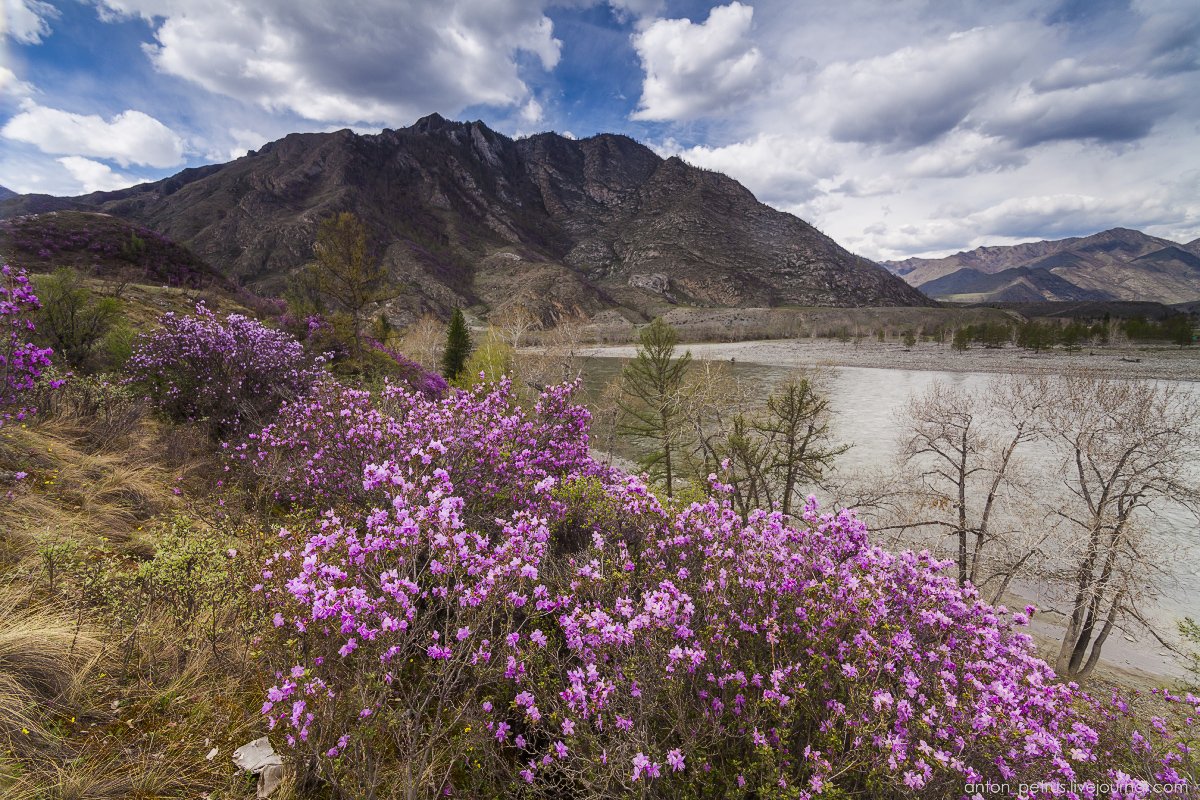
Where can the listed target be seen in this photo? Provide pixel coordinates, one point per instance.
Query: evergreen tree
(1178, 329)
(346, 275)
(458, 346)
(651, 401)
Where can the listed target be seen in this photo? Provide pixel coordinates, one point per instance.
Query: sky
(898, 127)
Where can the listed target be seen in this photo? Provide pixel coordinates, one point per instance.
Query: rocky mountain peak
(464, 215)
(1118, 263)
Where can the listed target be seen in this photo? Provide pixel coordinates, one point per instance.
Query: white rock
(256, 756)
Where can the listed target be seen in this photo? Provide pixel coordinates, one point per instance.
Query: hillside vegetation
(418, 590)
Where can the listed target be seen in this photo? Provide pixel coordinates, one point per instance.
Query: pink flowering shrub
(21, 361)
(402, 369)
(317, 450)
(496, 615)
(230, 371)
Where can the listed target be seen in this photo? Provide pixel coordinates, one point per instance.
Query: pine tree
(458, 346)
(651, 404)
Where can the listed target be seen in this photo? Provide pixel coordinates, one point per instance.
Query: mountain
(1016, 285)
(6, 193)
(463, 215)
(1114, 264)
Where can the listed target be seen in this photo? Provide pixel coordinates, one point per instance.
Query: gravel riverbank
(1123, 361)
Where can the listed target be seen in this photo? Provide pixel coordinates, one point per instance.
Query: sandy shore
(1127, 361)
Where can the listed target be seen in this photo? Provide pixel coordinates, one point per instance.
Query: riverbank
(1127, 361)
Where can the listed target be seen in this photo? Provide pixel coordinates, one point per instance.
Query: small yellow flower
(25, 731)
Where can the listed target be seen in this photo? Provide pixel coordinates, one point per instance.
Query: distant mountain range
(1117, 264)
(465, 216)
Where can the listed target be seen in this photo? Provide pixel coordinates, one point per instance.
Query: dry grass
(73, 494)
(89, 710)
(45, 658)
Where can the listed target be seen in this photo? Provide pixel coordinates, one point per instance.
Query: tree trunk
(1108, 626)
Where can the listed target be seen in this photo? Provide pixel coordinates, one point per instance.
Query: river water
(865, 401)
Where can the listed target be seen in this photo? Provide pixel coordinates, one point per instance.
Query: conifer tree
(651, 401)
(347, 275)
(458, 346)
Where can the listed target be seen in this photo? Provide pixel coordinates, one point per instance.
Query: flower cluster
(228, 371)
(500, 615)
(21, 361)
(317, 450)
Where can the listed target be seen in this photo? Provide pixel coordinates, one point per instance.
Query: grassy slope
(102, 693)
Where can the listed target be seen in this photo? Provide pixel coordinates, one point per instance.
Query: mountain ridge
(463, 215)
(1116, 264)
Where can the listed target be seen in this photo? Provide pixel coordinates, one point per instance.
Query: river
(865, 401)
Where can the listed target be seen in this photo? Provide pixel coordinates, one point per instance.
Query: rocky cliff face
(464, 215)
(1117, 264)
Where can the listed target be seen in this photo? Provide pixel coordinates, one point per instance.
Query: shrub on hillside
(228, 372)
(393, 364)
(496, 615)
(74, 320)
(21, 361)
(317, 450)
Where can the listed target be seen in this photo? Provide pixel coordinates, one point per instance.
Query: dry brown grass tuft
(122, 706)
(72, 494)
(45, 658)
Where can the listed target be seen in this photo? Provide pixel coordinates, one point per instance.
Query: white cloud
(697, 69)
(779, 169)
(1071, 73)
(913, 95)
(531, 112)
(938, 127)
(130, 137)
(637, 8)
(384, 62)
(12, 86)
(1050, 216)
(961, 153)
(94, 176)
(1120, 110)
(28, 20)
(244, 141)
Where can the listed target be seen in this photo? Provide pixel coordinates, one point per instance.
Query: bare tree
(558, 359)
(423, 342)
(514, 322)
(963, 446)
(712, 399)
(1126, 447)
